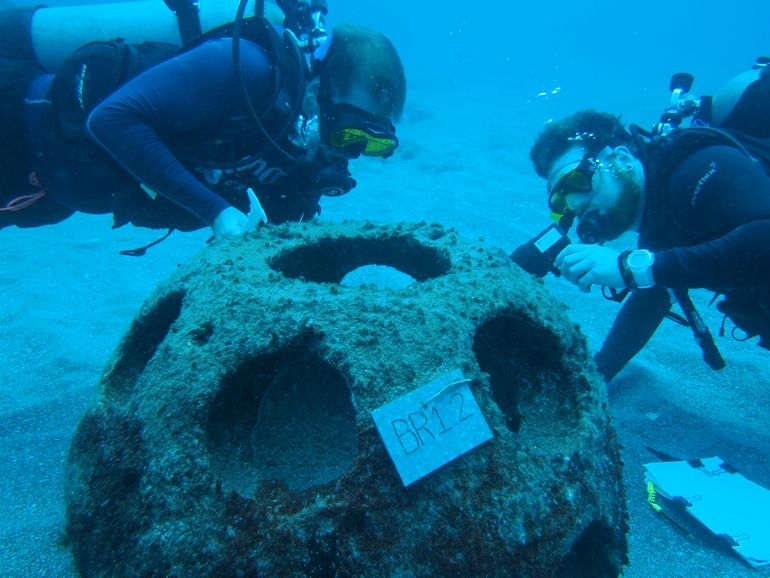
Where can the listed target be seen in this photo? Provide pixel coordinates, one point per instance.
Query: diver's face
(613, 204)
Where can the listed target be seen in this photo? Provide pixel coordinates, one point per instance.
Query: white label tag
(548, 240)
(431, 426)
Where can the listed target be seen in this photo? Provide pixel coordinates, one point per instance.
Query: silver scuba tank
(49, 35)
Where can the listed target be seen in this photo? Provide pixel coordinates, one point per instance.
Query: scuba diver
(699, 199)
(249, 113)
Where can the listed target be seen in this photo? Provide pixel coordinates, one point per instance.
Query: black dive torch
(537, 255)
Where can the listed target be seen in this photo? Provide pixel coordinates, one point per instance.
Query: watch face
(639, 259)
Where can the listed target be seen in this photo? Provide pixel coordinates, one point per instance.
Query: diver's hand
(229, 222)
(586, 265)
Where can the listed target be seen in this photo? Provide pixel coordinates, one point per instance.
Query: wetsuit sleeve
(188, 96)
(721, 200)
(637, 321)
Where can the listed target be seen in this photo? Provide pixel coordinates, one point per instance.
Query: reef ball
(232, 434)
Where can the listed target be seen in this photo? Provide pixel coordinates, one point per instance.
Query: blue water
(588, 48)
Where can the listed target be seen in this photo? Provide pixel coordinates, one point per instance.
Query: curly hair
(360, 56)
(587, 128)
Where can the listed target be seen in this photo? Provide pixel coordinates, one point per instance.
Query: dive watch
(639, 264)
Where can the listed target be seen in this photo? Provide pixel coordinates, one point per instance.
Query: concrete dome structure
(232, 435)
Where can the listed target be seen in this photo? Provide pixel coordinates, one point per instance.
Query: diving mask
(578, 180)
(355, 132)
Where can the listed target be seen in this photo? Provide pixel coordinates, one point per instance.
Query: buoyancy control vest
(97, 69)
(744, 124)
(737, 116)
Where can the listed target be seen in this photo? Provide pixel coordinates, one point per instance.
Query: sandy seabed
(67, 297)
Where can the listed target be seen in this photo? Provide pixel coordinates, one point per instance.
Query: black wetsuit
(181, 130)
(707, 220)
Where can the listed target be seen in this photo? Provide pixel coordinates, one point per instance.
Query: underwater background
(483, 79)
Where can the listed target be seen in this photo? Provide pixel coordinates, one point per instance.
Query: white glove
(232, 222)
(229, 222)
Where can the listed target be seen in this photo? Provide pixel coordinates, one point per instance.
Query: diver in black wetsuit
(702, 213)
(176, 147)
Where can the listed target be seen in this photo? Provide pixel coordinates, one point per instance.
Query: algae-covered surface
(232, 431)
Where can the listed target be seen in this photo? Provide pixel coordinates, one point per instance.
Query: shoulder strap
(289, 69)
(290, 74)
(188, 19)
(96, 70)
(758, 148)
(685, 141)
(755, 148)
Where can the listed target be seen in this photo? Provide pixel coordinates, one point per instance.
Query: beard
(608, 224)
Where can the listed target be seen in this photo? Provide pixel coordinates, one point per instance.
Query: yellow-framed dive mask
(355, 132)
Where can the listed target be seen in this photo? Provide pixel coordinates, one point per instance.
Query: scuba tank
(737, 115)
(742, 104)
(49, 35)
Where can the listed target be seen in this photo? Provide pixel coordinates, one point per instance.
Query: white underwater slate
(431, 426)
(723, 500)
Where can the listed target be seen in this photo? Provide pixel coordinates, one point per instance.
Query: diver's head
(587, 129)
(362, 93)
(602, 188)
